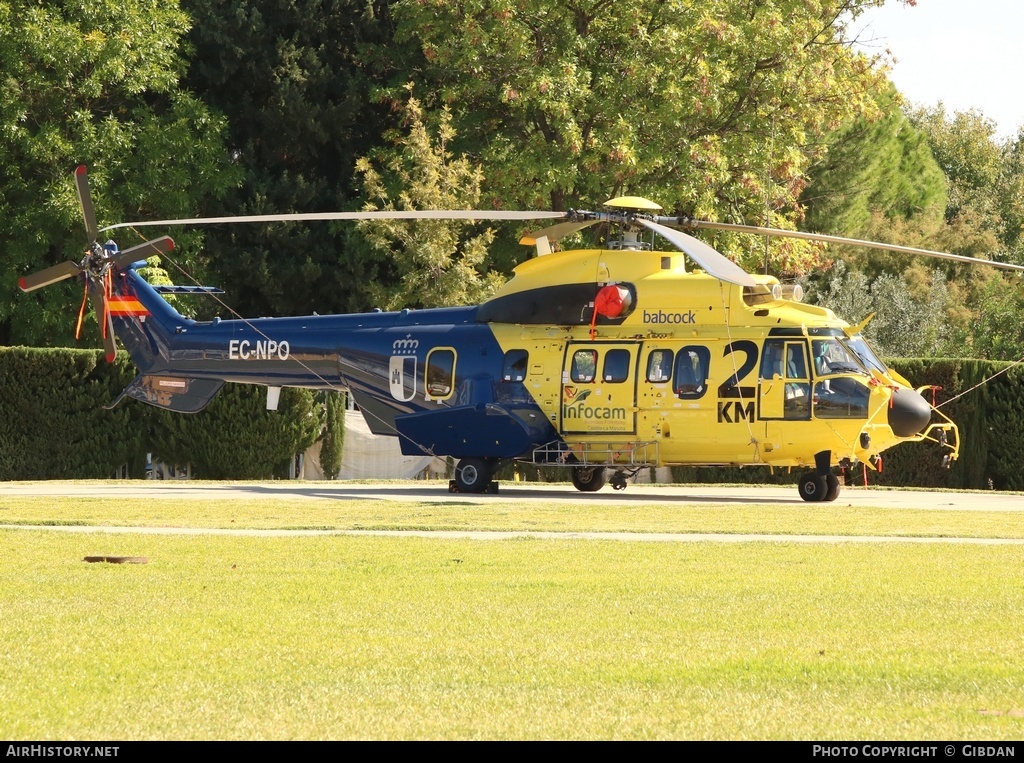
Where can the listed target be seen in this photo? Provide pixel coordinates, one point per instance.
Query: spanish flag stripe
(126, 306)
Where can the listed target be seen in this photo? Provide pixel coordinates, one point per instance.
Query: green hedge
(236, 437)
(989, 419)
(52, 420)
(53, 424)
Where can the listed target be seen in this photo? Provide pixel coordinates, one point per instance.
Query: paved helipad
(516, 492)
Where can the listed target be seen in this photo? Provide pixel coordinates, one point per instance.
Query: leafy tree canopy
(435, 265)
(878, 175)
(712, 108)
(96, 83)
(293, 78)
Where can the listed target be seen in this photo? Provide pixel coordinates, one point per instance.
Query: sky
(965, 53)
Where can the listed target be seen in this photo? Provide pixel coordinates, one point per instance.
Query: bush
(53, 424)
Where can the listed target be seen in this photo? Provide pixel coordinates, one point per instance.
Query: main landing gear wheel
(588, 479)
(473, 475)
(831, 487)
(815, 487)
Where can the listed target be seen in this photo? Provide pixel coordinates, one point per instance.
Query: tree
(95, 83)
(435, 265)
(905, 324)
(713, 108)
(333, 441)
(965, 148)
(877, 179)
(1011, 197)
(293, 78)
(996, 330)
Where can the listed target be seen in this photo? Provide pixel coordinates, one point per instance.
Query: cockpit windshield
(865, 354)
(831, 356)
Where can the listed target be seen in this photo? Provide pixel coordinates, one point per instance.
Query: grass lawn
(338, 637)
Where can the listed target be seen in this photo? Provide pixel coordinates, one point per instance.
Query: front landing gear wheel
(618, 481)
(813, 487)
(831, 487)
(473, 475)
(588, 479)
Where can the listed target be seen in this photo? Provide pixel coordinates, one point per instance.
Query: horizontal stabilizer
(172, 393)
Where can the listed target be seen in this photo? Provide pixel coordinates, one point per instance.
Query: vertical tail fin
(150, 328)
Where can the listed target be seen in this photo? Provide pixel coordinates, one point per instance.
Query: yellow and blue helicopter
(605, 361)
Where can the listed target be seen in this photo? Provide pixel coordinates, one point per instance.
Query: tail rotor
(97, 266)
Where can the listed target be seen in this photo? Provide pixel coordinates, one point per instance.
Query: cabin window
(691, 374)
(616, 366)
(440, 373)
(584, 366)
(659, 366)
(514, 367)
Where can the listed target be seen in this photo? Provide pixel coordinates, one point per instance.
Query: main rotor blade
(853, 242)
(143, 251)
(429, 214)
(85, 199)
(556, 232)
(52, 274)
(714, 263)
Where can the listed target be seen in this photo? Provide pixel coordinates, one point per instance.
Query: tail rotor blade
(85, 198)
(109, 343)
(143, 251)
(50, 275)
(98, 296)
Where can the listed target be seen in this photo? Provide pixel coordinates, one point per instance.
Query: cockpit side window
(796, 360)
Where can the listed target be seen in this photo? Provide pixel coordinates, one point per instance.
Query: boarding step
(627, 453)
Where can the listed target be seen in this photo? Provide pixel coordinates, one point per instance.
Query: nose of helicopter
(909, 413)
